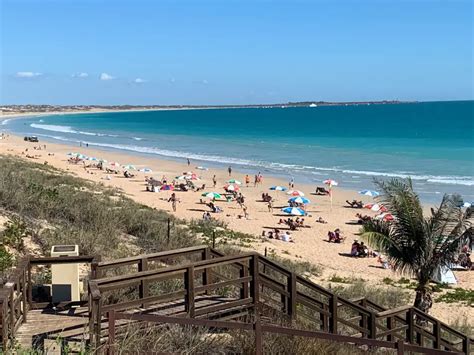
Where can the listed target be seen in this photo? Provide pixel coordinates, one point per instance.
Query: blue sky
(234, 52)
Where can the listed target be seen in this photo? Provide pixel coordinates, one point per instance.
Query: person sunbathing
(321, 220)
(286, 237)
(321, 191)
(355, 204)
(127, 174)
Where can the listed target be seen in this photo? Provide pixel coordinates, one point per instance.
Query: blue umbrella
(293, 211)
(299, 199)
(278, 188)
(369, 193)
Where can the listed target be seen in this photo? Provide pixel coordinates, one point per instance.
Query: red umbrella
(231, 187)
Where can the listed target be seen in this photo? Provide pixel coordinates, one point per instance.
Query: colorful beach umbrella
(299, 199)
(370, 193)
(211, 195)
(146, 170)
(167, 187)
(295, 193)
(330, 182)
(278, 188)
(230, 187)
(375, 207)
(385, 216)
(233, 181)
(294, 211)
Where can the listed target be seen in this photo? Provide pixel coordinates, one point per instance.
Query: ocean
(432, 142)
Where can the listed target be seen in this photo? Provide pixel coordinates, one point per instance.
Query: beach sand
(310, 243)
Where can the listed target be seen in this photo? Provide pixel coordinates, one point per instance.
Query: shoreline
(310, 243)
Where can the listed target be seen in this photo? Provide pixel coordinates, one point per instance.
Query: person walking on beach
(214, 181)
(229, 169)
(270, 206)
(255, 181)
(173, 201)
(189, 162)
(247, 180)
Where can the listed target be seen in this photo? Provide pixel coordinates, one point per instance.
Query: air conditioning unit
(65, 277)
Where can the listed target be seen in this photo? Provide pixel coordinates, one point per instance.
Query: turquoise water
(431, 142)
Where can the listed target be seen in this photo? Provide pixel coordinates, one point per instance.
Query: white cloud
(27, 74)
(80, 75)
(139, 81)
(105, 76)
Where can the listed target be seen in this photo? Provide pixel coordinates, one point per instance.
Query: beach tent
(444, 275)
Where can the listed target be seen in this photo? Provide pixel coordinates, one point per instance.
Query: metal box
(65, 277)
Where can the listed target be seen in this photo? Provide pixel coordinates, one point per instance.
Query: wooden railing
(16, 295)
(278, 300)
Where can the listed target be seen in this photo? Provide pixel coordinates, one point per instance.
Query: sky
(234, 52)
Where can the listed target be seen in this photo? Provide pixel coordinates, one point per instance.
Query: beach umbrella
(330, 182)
(211, 195)
(375, 207)
(129, 167)
(230, 187)
(294, 211)
(295, 193)
(278, 188)
(385, 216)
(93, 159)
(233, 181)
(146, 170)
(201, 168)
(167, 187)
(73, 154)
(299, 199)
(82, 156)
(114, 164)
(183, 177)
(369, 193)
(103, 160)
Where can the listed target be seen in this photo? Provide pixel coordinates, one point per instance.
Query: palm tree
(415, 244)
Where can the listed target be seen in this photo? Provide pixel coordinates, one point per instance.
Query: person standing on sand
(229, 169)
(173, 201)
(214, 180)
(255, 181)
(291, 184)
(189, 162)
(247, 180)
(270, 206)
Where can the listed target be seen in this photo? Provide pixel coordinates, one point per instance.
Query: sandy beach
(310, 244)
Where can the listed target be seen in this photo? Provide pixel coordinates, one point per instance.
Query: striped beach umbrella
(294, 211)
(211, 195)
(375, 207)
(231, 187)
(370, 193)
(278, 188)
(299, 199)
(385, 216)
(295, 193)
(233, 181)
(330, 182)
(167, 187)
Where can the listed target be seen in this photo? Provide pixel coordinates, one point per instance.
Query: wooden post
(95, 270)
(437, 334)
(390, 323)
(372, 326)
(410, 323)
(24, 293)
(400, 347)
(292, 300)
(258, 335)
(213, 239)
(111, 341)
(466, 345)
(12, 311)
(3, 315)
(189, 286)
(324, 319)
(143, 287)
(254, 291)
(30, 286)
(333, 312)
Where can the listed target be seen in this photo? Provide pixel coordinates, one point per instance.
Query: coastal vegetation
(415, 244)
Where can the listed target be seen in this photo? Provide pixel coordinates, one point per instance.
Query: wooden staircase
(200, 286)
